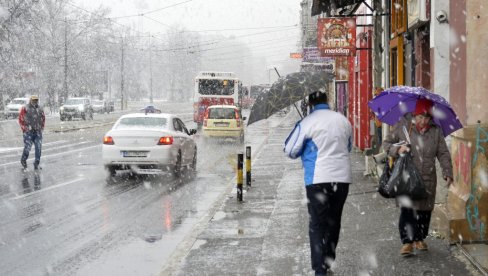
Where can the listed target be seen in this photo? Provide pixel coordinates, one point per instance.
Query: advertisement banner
(312, 54)
(336, 36)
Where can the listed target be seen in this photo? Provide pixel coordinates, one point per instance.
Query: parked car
(149, 144)
(100, 106)
(12, 110)
(223, 121)
(76, 108)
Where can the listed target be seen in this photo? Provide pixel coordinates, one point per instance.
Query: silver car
(12, 110)
(149, 144)
(76, 108)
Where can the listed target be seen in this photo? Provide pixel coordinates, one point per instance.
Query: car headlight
(61, 108)
(81, 108)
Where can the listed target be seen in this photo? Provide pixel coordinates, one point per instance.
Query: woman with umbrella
(425, 141)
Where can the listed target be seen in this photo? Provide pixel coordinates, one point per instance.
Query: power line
(236, 29)
(153, 11)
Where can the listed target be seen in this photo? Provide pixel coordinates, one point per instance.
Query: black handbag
(404, 180)
(385, 176)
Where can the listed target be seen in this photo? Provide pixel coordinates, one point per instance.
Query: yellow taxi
(223, 121)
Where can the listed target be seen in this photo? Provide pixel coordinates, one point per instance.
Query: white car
(13, 108)
(99, 106)
(149, 144)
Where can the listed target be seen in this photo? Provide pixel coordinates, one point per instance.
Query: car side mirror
(193, 131)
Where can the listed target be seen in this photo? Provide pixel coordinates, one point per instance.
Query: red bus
(213, 88)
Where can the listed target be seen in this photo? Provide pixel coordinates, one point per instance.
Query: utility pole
(122, 77)
(65, 83)
(150, 74)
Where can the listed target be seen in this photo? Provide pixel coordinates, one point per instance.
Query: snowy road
(69, 219)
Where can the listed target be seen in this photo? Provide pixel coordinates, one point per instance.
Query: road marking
(49, 188)
(21, 148)
(46, 150)
(52, 155)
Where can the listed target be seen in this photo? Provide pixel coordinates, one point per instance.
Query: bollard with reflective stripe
(248, 166)
(240, 158)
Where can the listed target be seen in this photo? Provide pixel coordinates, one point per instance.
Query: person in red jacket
(31, 121)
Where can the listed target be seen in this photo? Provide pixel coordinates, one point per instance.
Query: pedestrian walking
(31, 121)
(427, 144)
(323, 141)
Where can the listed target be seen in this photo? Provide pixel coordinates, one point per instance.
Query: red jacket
(31, 118)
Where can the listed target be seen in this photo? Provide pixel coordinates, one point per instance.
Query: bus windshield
(215, 87)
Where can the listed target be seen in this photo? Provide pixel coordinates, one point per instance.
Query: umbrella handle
(301, 116)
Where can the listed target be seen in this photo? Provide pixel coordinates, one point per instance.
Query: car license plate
(221, 124)
(134, 153)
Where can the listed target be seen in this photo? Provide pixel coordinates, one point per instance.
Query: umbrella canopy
(150, 109)
(393, 103)
(287, 91)
(320, 6)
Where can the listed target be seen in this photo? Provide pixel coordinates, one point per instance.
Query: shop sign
(336, 36)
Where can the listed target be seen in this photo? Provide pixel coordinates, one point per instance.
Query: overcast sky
(277, 20)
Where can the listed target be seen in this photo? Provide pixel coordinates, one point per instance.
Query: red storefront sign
(336, 36)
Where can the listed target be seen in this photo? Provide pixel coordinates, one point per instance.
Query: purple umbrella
(393, 103)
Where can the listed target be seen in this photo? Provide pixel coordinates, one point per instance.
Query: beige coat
(425, 148)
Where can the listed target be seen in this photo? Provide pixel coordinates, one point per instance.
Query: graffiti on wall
(479, 189)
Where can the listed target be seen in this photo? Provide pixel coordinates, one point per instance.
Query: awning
(321, 6)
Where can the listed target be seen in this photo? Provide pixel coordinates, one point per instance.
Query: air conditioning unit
(417, 12)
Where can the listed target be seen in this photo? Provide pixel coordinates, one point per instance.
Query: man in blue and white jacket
(323, 141)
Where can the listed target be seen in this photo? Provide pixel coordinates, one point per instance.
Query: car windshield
(18, 102)
(97, 102)
(74, 101)
(141, 122)
(222, 113)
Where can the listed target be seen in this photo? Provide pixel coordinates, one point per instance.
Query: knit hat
(34, 97)
(423, 106)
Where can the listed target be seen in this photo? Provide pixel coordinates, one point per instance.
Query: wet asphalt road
(71, 219)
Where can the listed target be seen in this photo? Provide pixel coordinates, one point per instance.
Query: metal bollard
(248, 166)
(240, 158)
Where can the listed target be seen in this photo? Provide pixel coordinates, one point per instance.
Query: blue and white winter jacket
(323, 141)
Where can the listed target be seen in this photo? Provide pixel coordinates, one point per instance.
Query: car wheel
(91, 115)
(177, 168)
(111, 170)
(62, 118)
(83, 116)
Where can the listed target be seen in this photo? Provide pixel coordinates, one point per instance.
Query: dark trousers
(32, 137)
(325, 204)
(413, 225)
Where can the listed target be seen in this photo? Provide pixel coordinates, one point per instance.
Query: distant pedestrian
(31, 121)
(323, 141)
(427, 144)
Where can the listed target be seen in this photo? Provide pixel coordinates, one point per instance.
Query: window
(183, 127)
(222, 113)
(144, 122)
(74, 101)
(176, 125)
(216, 87)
